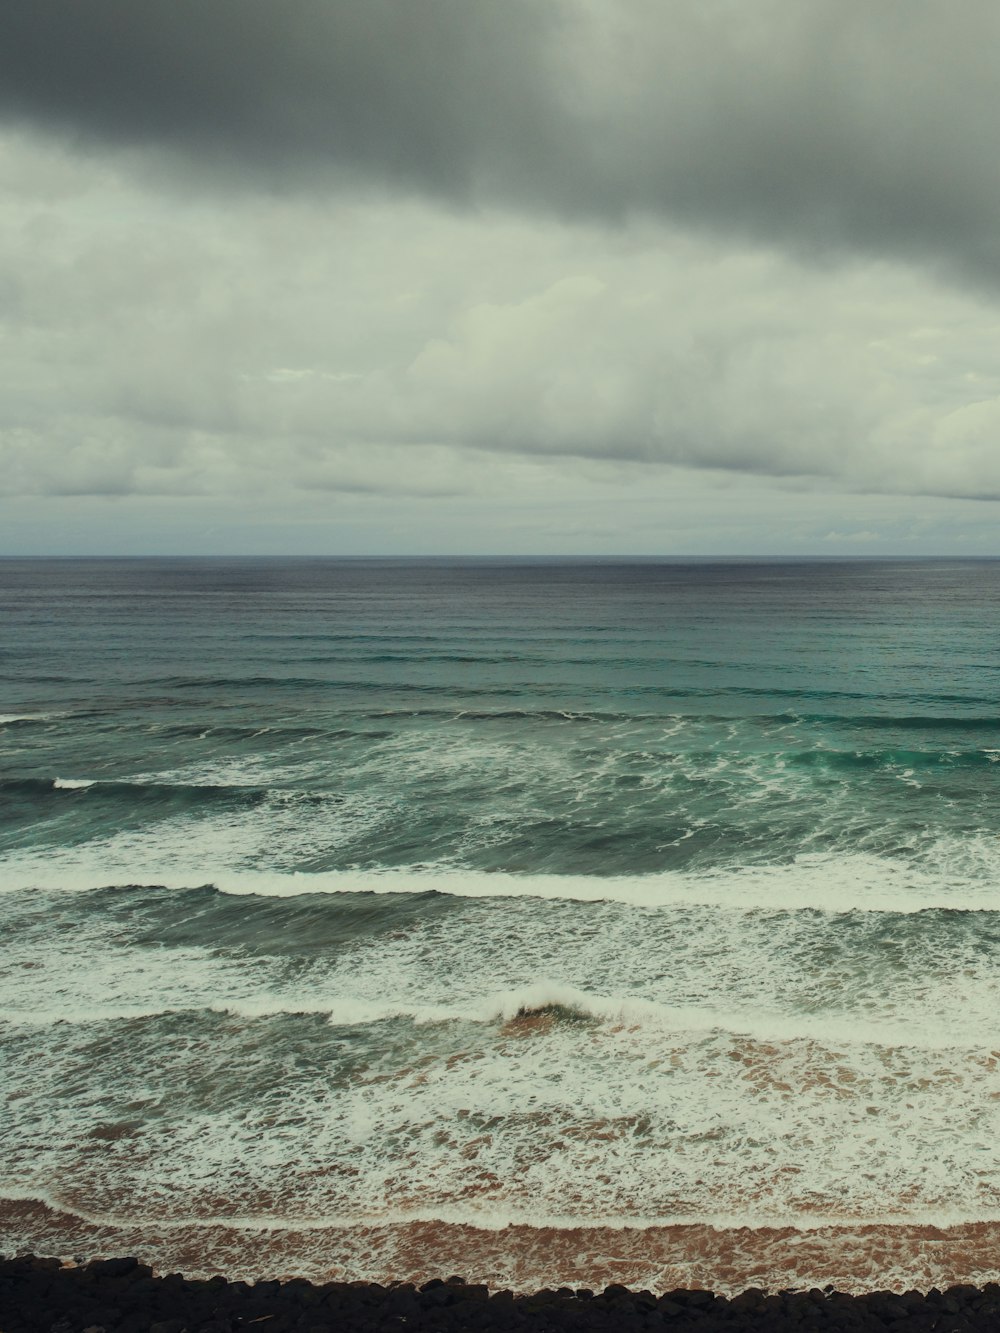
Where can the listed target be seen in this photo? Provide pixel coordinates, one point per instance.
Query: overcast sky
(499, 276)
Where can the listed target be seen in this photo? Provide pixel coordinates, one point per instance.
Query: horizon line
(520, 558)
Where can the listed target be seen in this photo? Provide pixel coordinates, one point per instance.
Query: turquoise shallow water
(574, 892)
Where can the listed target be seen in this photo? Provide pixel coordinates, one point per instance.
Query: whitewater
(542, 921)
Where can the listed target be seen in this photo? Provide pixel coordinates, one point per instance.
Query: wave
(821, 882)
(187, 794)
(230, 732)
(550, 1002)
(977, 722)
(559, 1003)
(323, 683)
(907, 763)
(494, 1218)
(980, 723)
(924, 760)
(137, 791)
(558, 691)
(519, 714)
(913, 721)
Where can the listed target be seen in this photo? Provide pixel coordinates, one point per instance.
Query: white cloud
(300, 356)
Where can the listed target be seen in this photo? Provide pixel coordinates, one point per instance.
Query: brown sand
(851, 1258)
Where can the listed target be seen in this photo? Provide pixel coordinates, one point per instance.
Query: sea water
(547, 922)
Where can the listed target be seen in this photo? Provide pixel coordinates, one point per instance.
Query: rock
(115, 1267)
(616, 1292)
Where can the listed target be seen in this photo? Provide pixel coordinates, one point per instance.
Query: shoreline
(851, 1259)
(123, 1293)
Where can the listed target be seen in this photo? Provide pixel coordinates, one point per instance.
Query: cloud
(199, 350)
(823, 125)
(508, 274)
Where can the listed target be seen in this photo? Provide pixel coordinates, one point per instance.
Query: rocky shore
(124, 1296)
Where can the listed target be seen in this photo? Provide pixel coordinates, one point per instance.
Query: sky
(607, 277)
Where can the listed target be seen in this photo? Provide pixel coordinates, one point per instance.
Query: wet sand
(523, 1259)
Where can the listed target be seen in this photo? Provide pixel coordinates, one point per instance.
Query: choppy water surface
(576, 920)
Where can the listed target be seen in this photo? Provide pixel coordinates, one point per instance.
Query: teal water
(630, 893)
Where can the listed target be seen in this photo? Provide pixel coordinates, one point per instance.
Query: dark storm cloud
(422, 94)
(817, 123)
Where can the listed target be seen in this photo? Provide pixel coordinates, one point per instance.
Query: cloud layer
(820, 123)
(448, 258)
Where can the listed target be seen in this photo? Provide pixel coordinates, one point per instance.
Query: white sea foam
(833, 882)
(768, 973)
(561, 1122)
(540, 998)
(72, 784)
(768, 950)
(488, 1219)
(756, 1044)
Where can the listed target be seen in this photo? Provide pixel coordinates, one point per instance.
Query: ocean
(545, 922)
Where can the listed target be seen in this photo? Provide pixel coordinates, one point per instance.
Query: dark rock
(442, 1294)
(697, 1298)
(965, 1295)
(887, 1305)
(463, 1313)
(39, 1295)
(616, 1292)
(751, 1299)
(144, 1289)
(108, 1315)
(278, 1323)
(300, 1291)
(473, 1291)
(402, 1300)
(137, 1321)
(265, 1289)
(115, 1267)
